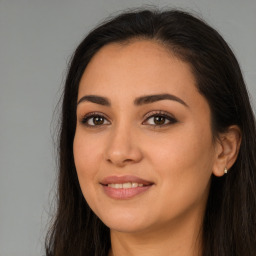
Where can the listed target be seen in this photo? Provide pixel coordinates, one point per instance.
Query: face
(143, 145)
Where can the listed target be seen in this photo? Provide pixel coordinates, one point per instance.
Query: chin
(127, 223)
(127, 227)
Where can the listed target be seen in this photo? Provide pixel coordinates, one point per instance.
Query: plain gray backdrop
(37, 38)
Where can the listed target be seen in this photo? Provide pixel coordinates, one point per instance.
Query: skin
(179, 157)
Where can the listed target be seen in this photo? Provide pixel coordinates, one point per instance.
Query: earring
(225, 170)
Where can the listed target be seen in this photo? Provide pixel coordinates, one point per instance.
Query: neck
(177, 240)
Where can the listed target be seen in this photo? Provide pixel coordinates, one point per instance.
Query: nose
(123, 147)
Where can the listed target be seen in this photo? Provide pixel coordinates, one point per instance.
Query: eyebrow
(137, 102)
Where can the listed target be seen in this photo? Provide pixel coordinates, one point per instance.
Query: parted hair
(229, 225)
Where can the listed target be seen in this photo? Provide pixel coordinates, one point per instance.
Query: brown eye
(160, 119)
(94, 120)
(98, 120)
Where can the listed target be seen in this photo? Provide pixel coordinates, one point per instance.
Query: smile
(124, 187)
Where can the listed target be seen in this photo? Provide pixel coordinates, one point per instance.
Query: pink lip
(124, 179)
(124, 193)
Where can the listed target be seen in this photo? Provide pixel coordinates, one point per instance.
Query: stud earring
(225, 170)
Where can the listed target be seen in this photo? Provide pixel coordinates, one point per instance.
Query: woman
(157, 143)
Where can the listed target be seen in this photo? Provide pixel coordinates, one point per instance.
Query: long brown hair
(229, 227)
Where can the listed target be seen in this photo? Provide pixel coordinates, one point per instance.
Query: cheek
(86, 157)
(184, 165)
(184, 148)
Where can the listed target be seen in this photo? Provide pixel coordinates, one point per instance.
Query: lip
(124, 179)
(124, 193)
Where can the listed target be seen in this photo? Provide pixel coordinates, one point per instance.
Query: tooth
(127, 185)
(134, 185)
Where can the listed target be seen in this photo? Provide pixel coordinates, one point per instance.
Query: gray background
(36, 40)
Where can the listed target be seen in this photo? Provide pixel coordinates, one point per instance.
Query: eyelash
(163, 114)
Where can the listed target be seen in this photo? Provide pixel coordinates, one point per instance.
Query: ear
(227, 148)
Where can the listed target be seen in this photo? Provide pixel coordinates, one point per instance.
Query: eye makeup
(158, 119)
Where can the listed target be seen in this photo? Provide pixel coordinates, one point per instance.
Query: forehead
(138, 65)
(123, 72)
